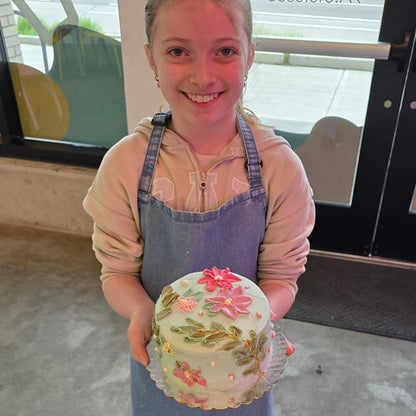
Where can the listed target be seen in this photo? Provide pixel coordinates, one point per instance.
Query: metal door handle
(375, 50)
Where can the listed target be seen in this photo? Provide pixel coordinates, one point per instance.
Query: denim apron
(177, 243)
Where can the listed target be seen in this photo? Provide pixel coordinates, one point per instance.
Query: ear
(149, 57)
(250, 58)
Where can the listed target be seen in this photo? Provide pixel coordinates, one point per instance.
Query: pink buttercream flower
(216, 277)
(192, 401)
(230, 302)
(185, 305)
(189, 376)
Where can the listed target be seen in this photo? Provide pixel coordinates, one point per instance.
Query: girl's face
(201, 59)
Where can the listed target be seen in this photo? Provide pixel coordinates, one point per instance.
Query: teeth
(202, 98)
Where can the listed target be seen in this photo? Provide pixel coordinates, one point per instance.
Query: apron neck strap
(253, 163)
(160, 121)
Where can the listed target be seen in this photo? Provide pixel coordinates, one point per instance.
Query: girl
(203, 185)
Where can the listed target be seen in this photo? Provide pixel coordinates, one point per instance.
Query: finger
(141, 357)
(138, 347)
(290, 348)
(138, 350)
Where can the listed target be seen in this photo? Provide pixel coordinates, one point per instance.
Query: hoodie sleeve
(290, 217)
(112, 203)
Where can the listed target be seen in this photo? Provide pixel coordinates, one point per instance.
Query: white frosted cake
(213, 337)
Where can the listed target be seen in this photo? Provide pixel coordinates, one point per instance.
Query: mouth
(202, 98)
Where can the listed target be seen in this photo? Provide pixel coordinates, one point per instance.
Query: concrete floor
(64, 352)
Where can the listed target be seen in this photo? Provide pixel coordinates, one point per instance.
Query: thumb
(138, 342)
(139, 352)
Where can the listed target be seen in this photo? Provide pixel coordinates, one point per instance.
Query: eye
(226, 52)
(177, 52)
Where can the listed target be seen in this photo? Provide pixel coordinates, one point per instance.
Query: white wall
(143, 98)
(44, 195)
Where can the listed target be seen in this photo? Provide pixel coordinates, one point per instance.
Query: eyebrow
(176, 39)
(184, 40)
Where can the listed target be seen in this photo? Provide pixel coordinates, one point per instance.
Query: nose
(203, 73)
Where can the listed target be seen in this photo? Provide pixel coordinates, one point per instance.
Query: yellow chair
(43, 108)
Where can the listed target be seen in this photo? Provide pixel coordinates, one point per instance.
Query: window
(312, 93)
(65, 67)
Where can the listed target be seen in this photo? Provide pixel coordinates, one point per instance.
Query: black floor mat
(357, 296)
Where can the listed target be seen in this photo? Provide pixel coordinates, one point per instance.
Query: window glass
(66, 69)
(352, 20)
(318, 103)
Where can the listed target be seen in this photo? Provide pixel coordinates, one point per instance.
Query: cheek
(171, 73)
(235, 74)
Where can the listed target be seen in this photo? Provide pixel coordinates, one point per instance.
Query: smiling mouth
(202, 99)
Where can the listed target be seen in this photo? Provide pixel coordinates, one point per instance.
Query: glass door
(329, 76)
(396, 225)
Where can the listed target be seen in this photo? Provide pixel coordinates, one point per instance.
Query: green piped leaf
(195, 323)
(230, 345)
(250, 370)
(163, 313)
(235, 330)
(217, 326)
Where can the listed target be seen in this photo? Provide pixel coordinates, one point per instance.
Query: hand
(139, 333)
(290, 348)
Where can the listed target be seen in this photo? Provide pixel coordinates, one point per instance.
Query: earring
(245, 80)
(157, 80)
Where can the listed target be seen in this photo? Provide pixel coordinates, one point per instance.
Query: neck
(206, 139)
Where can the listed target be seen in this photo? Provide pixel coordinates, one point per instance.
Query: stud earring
(245, 80)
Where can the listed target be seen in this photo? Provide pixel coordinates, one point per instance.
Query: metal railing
(373, 50)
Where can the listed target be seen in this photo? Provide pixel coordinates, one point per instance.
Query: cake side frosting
(213, 334)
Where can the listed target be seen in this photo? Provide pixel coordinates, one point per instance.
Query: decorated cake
(214, 345)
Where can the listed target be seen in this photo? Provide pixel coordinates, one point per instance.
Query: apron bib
(177, 243)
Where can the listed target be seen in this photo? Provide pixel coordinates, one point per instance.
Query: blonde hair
(229, 7)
